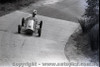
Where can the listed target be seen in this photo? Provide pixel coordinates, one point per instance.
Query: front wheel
(41, 23)
(19, 29)
(39, 33)
(23, 21)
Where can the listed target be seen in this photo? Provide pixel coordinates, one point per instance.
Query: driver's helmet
(34, 12)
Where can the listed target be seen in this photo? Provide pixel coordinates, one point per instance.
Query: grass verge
(9, 7)
(78, 48)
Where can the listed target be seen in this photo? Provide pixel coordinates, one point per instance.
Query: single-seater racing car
(30, 26)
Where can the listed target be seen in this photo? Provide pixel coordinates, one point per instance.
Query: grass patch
(6, 8)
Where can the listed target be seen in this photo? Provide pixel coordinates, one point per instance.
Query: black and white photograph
(49, 33)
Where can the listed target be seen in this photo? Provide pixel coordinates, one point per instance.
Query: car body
(30, 25)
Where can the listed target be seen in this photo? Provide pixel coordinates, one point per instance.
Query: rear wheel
(19, 29)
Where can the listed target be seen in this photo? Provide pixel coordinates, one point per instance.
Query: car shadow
(25, 34)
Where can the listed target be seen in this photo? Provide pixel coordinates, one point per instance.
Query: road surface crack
(23, 43)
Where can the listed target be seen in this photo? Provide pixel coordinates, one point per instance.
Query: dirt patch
(78, 49)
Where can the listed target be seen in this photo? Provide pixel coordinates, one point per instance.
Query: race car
(30, 26)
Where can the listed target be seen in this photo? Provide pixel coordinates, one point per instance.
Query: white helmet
(35, 12)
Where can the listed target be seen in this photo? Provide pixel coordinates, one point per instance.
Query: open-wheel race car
(30, 26)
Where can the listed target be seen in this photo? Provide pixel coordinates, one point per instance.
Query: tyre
(41, 23)
(23, 21)
(39, 32)
(19, 29)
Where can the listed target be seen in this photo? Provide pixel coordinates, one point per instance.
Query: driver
(34, 13)
(33, 17)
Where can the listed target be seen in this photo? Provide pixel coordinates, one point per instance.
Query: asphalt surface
(70, 10)
(23, 48)
(49, 47)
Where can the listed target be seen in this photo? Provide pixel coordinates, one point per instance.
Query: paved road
(70, 10)
(22, 48)
(50, 47)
